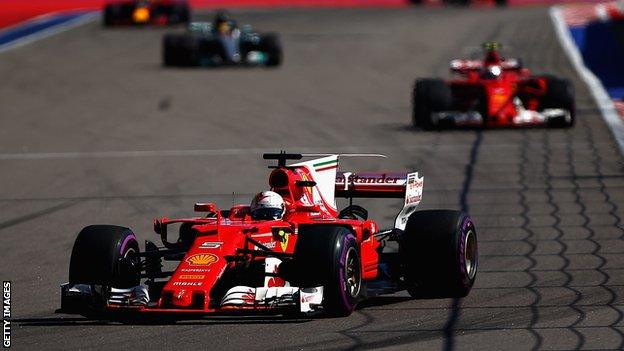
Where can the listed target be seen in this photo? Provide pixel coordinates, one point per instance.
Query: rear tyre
(329, 256)
(179, 14)
(180, 50)
(110, 14)
(271, 46)
(439, 254)
(559, 94)
(428, 96)
(105, 255)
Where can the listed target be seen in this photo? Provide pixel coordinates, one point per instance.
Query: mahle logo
(202, 259)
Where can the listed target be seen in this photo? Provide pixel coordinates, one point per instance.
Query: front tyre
(329, 256)
(559, 94)
(272, 47)
(105, 255)
(429, 96)
(439, 254)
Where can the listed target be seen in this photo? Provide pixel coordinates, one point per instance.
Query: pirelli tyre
(559, 94)
(180, 50)
(179, 13)
(105, 255)
(329, 256)
(113, 12)
(272, 47)
(439, 254)
(428, 96)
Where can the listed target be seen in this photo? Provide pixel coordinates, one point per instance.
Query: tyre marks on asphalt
(528, 240)
(596, 162)
(454, 315)
(559, 238)
(34, 215)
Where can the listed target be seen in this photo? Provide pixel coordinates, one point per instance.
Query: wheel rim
(352, 273)
(470, 254)
(126, 268)
(130, 254)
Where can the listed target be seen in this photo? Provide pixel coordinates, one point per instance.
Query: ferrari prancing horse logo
(282, 236)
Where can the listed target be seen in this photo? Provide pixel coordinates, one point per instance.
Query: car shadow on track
(154, 320)
(73, 320)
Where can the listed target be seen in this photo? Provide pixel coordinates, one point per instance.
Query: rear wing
(460, 65)
(407, 186)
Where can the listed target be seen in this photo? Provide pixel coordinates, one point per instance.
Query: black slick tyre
(272, 47)
(559, 94)
(439, 254)
(105, 255)
(428, 96)
(329, 256)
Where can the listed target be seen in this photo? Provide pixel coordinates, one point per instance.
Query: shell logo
(202, 259)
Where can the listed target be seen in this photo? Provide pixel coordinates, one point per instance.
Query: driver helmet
(267, 205)
(492, 72)
(223, 23)
(492, 53)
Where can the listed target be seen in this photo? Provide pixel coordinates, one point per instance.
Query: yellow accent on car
(141, 15)
(202, 259)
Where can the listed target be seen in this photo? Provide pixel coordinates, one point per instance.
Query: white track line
(603, 100)
(48, 32)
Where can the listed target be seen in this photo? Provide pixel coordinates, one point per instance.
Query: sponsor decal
(269, 245)
(191, 276)
(282, 235)
(6, 314)
(307, 298)
(187, 283)
(356, 179)
(210, 245)
(327, 165)
(195, 270)
(202, 259)
(276, 282)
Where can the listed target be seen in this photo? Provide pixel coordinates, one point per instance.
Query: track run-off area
(94, 130)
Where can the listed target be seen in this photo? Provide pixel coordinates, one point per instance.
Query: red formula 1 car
(492, 92)
(146, 12)
(305, 256)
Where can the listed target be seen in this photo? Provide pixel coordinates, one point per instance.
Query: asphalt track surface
(94, 130)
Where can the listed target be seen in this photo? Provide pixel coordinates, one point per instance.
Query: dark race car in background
(492, 92)
(146, 12)
(219, 43)
(316, 258)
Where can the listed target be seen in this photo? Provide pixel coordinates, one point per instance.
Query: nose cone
(182, 298)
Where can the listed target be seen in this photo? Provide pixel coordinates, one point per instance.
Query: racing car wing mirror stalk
(205, 207)
(305, 183)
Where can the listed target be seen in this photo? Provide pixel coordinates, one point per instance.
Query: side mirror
(305, 183)
(205, 207)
